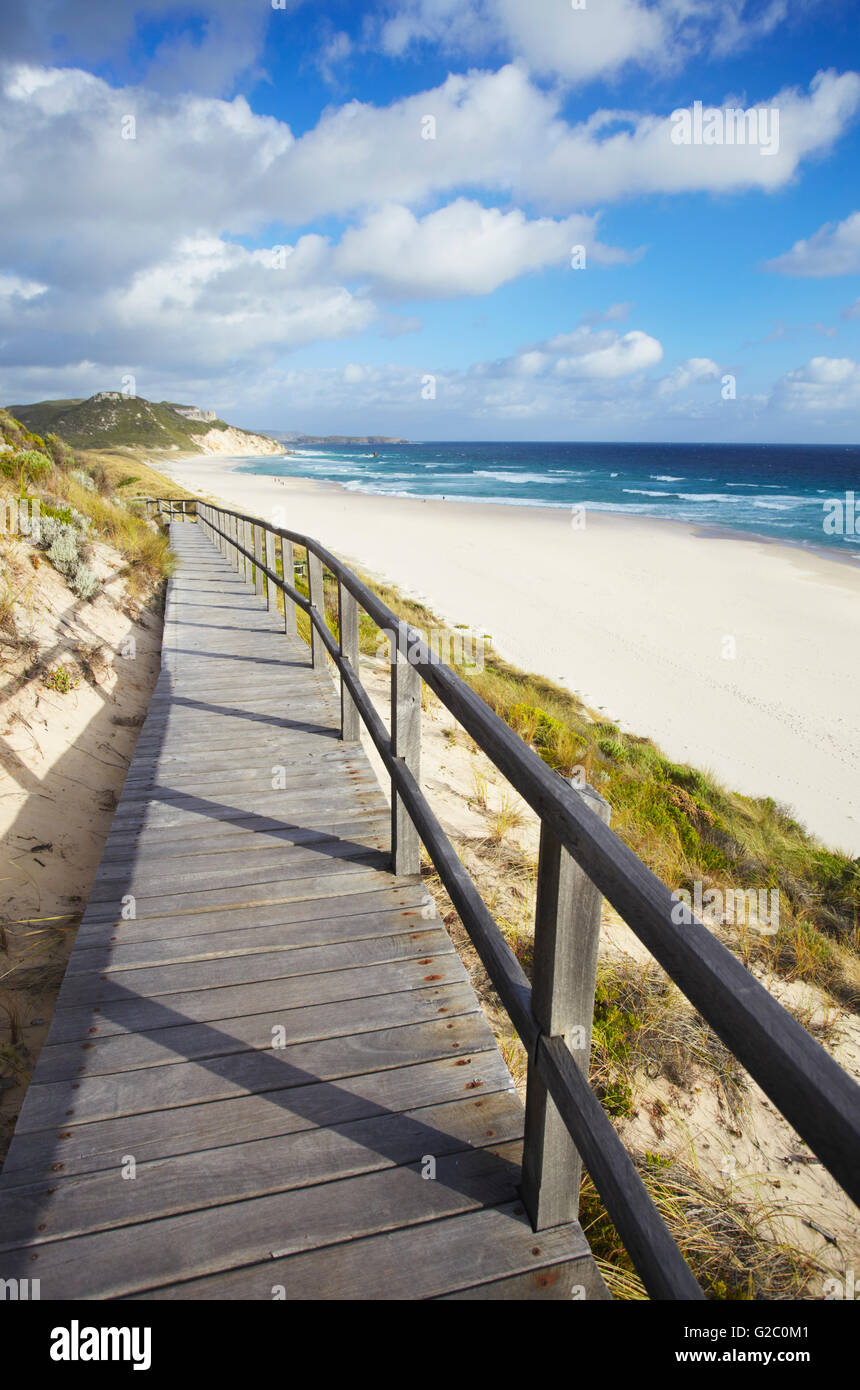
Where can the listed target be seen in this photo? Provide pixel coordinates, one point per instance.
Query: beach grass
(68, 485)
(686, 826)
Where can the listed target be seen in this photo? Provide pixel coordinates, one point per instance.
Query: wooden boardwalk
(268, 1074)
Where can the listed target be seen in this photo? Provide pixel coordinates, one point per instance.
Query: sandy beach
(741, 656)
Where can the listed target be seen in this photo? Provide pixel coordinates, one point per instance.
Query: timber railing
(580, 860)
(168, 508)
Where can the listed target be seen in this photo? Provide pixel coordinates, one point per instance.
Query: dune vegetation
(79, 501)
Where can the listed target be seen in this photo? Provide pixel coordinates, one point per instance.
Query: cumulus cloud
(461, 249)
(605, 355)
(823, 386)
(578, 43)
(833, 250)
(154, 266)
(122, 201)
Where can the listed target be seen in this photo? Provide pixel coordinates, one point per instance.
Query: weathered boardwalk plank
(268, 1070)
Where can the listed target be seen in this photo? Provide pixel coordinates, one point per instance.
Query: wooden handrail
(811, 1090)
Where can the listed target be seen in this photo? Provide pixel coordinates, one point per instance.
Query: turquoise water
(784, 491)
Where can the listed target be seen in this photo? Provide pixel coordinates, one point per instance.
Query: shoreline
(631, 613)
(706, 529)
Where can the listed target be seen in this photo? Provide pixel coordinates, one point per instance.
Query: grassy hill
(110, 420)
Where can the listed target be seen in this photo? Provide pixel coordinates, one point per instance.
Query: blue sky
(237, 205)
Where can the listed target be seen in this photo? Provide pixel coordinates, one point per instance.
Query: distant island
(292, 438)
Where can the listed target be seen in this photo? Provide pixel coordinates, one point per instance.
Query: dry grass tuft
(727, 1239)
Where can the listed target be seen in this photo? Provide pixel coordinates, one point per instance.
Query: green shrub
(61, 540)
(82, 581)
(27, 465)
(60, 679)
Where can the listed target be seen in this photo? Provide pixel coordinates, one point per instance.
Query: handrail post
(233, 527)
(246, 527)
(288, 572)
(405, 745)
(350, 721)
(316, 586)
(566, 940)
(271, 587)
(259, 577)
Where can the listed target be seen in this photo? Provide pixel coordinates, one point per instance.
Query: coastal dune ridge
(714, 645)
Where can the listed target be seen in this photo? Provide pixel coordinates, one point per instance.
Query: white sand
(630, 614)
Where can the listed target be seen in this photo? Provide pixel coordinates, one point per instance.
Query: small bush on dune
(28, 466)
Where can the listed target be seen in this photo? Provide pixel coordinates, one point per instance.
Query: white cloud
(833, 250)
(149, 269)
(486, 399)
(577, 44)
(500, 131)
(824, 385)
(124, 203)
(614, 155)
(335, 51)
(207, 47)
(461, 249)
(689, 373)
(609, 356)
(13, 286)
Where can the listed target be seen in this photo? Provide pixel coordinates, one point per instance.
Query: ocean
(804, 494)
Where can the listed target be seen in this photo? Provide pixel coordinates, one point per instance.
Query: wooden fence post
(271, 587)
(350, 720)
(233, 528)
(567, 935)
(317, 594)
(246, 542)
(259, 577)
(405, 745)
(288, 570)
